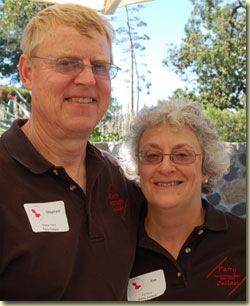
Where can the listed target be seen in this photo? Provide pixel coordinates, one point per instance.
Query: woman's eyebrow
(178, 146)
(182, 145)
(155, 146)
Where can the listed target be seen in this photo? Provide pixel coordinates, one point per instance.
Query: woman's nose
(166, 165)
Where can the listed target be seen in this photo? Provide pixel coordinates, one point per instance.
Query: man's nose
(85, 76)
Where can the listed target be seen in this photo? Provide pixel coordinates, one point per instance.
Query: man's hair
(179, 113)
(82, 18)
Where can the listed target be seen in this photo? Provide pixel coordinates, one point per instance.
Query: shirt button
(55, 172)
(187, 250)
(201, 231)
(72, 187)
(179, 274)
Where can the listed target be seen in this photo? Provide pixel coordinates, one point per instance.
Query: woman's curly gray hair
(216, 160)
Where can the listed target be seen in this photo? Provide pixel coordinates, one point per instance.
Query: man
(68, 217)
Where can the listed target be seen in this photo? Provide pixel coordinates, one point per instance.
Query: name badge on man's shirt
(47, 217)
(146, 286)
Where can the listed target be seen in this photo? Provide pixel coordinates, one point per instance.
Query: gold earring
(206, 181)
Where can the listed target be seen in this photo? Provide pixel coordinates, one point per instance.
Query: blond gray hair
(216, 160)
(82, 18)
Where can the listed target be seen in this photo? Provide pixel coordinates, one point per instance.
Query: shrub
(14, 103)
(231, 125)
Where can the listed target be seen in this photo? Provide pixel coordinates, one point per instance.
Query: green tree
(231, 125)
(14, 103)
(212, 56)
(110, 127)
(133, 39)
(14, 15)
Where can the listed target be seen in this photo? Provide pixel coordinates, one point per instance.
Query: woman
(187, 250)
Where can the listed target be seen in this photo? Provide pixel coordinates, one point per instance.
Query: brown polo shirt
(211, 265)
(56, 243)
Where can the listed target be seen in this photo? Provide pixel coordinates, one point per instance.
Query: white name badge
(146, 286)
(47, 217)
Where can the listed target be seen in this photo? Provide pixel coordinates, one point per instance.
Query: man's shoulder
(4, 156)
(103, 155)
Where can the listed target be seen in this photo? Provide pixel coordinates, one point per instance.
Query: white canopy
(106, 7)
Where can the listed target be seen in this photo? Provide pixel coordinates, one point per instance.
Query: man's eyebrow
(67, 54)
(99, 59)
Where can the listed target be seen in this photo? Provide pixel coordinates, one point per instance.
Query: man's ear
(25, 71)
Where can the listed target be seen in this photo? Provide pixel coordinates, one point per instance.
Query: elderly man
(68, 216)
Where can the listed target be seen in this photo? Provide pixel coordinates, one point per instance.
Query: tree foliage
(14, 15)
(130, 35)
(231, 125)
(109, 127)
(14, 103)
(212, 56)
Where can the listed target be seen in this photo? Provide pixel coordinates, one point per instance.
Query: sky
(165, 24)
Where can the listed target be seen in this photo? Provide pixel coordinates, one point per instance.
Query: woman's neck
(171, 227)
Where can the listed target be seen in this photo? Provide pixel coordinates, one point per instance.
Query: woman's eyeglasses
(153, 157)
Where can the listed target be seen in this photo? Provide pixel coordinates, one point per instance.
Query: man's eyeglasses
(153, 157)
(67, 65)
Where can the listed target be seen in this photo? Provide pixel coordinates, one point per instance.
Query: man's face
(69, 105)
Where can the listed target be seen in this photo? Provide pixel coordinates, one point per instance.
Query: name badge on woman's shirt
(146, 286)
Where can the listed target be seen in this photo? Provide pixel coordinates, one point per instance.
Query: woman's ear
(25, 71)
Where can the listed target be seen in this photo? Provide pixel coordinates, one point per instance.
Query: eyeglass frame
(113, 66)
(139, 155)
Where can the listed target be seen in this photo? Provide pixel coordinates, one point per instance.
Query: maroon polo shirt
(57, 243)
(211, 265)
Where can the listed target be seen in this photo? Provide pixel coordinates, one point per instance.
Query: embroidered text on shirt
(117, 204)
(227, 276)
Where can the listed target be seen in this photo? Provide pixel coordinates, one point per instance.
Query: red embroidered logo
(227, 276)
(117, 204)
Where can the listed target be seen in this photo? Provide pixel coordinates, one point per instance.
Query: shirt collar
(215, 220)
(21, 149)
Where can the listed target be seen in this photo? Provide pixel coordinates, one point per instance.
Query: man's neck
(60, 149)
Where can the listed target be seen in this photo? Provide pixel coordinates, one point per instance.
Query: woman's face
(167, 184)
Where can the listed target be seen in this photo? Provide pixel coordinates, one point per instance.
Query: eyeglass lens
(100, 70)
(73, 65)
(178, 157)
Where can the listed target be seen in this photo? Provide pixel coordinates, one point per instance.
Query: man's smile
(80, 100)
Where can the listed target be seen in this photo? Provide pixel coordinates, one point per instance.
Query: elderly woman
(187, 249)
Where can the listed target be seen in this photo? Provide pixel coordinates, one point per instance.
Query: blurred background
(194, 49)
